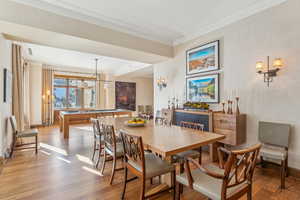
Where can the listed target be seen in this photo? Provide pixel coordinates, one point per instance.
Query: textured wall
(274, 32)
(5, 108)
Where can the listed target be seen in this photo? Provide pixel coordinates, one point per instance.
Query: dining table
(167, 140)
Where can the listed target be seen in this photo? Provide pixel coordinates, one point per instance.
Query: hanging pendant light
(106, 82)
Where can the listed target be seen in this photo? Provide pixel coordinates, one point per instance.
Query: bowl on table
(135, 122)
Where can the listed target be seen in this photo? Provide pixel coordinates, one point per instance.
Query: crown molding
(63, 8)
(256, 8)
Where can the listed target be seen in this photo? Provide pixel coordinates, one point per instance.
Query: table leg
(66, 127)
(213, 151)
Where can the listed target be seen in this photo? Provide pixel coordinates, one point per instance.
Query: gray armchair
(275, 140)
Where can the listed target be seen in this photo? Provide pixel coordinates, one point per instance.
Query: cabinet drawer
(229, 134)
(225, 123)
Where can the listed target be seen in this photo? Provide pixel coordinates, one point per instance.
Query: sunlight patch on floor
(63, 159)
(53, 148)
(45, 152)
(84, 159)
(93, 171)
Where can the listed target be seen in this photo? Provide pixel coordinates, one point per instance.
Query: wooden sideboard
(232, 126)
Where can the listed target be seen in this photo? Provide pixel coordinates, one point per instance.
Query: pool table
(68, 118)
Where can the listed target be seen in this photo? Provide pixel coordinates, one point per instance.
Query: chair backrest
(109, 137)
(133, 150)
(167, 114)
(141, 109)
(149, 109)
(192, 125)
(14, 124)
(239, 167)
(97, 127)
(274, 133)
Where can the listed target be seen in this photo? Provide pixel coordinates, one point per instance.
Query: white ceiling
(70, 60)
(166, 21)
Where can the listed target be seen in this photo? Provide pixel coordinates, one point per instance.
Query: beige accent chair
(231, 180)
(22, 134)
(144, 165)
(275, 139)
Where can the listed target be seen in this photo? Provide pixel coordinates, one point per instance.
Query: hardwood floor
(62, 170)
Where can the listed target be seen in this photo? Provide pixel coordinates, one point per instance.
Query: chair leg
(286, 168)
(200, 156)
(181, 170)
(125, 183)
(99, 157)
(104, 161)
(249, 193)
(13, 147)
(95, 147)
(173, 183)
(178, 191)
(283, 174)
(113, 170)
(36, 144)
(262, 163)
(142, 196)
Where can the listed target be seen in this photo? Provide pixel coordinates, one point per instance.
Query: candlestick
(237, 105)
(223, 104)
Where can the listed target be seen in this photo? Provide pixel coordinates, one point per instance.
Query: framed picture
(203, 89)
(125, 95)
(203, 59)
(7, 86)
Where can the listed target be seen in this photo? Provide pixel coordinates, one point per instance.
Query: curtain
(18, 86)
(27, 111)
(98, 92)
(47, 98)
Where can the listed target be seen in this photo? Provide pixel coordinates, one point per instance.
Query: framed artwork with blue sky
(203, 89)
(204, 58)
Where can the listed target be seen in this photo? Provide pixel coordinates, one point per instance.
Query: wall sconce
(268, 72)
(161, 83)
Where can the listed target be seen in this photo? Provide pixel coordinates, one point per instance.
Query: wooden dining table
(167, 141)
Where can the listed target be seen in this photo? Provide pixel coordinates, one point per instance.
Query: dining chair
(275, 139)
(231, 180)
(158, 117)
(17, 134)
(98, 137)
(141, 110)
(144, 165)
(113, 148)
(167, 115)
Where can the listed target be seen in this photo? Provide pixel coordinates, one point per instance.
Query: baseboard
(294, 172)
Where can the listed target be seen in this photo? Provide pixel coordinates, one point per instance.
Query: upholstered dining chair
(22, 134)
(144, 165)
(141, 110)
(167, 115)
(275, 138)
(113, 148)
(231, 180)
(98, 137)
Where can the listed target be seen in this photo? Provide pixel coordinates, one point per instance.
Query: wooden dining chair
(144, 165)
(230, 181)
(112, 148)
(98, 137)
(17, 134)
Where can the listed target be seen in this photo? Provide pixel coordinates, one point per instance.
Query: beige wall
(144, 90)
(274, 32)
(5, 108)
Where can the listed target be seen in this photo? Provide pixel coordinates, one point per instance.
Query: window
(68, 92)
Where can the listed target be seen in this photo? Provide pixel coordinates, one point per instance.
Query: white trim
(256, 8)
(69, 10)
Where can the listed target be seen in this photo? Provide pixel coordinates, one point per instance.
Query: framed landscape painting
(203, 59)
(203, 89)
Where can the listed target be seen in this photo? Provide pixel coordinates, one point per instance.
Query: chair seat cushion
(28, 133)
(273, 152)
(207, 185)
(155, 166)
(119, 148)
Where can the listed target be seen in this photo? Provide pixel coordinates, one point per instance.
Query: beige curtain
(18, 86)
(47, 98)
(27, 115)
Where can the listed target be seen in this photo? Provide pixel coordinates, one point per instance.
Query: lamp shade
(259, 66)
(277, 63)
